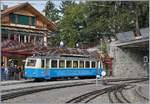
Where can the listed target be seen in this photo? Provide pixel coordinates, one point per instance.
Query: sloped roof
(130, 35)
(28, 49)
(12, 9)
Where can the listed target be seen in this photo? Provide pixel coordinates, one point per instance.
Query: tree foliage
(51, 12)
(64, 5)
(92, 20)
(69, 30)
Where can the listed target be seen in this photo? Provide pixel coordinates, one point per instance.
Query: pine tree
(64, 5)
(51, 12)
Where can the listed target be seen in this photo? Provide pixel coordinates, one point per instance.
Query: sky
(38, 4)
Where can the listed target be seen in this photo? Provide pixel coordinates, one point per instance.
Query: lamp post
(61, 44)
(77, 45)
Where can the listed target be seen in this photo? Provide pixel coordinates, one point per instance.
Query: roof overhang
(142, 44)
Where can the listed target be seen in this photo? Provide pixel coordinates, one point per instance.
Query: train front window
(31, 62)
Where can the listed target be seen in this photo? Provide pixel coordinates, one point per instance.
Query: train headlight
(25, 73)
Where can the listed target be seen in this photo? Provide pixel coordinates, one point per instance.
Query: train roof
(64, 57)
(69, 53)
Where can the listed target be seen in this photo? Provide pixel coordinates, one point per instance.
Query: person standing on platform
(11, 73)
(2, 72)
(6, 73)
(15, 72)
(19, 73)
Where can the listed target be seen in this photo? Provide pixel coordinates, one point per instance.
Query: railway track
(116, 90)
(85, 98)
(138, 92)
(9, 94)
(116, 96)
(30, 90)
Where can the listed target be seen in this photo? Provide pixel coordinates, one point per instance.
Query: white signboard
(103, 73)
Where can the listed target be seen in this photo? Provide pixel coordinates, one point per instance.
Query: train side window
(93, 64)
(68, 64)
(75, 64)
(54, 63)
(81, 64)
(42, 63)
(47, 63)
(61, 63)
(87, 64)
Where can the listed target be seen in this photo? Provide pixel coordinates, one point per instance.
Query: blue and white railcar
(48, 67)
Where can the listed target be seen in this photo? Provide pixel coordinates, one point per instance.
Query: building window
(13, 18)
(54, 63)
(68, 64)
(81, 64)
(61, 64)
(21, 38)
(33, 21)
(11, 37)
(22, 19)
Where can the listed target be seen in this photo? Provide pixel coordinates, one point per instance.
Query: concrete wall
(127, 62)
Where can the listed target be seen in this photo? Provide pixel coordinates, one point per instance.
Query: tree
(64, 5)
(106, 18)
(92, 20)
(69, 25)
(51, 12)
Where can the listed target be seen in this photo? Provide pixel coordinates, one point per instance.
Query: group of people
(11, 73)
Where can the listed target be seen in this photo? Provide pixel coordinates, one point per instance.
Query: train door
(47, 66)
(98, 67)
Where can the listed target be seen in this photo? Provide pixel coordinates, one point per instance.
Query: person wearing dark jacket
(2, 73)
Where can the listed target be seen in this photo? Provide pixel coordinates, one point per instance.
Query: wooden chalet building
(23, 27)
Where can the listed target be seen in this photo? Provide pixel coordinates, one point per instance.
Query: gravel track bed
(60, 96)
(34, 84)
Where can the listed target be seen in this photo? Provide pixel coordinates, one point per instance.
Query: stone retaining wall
(128, 62)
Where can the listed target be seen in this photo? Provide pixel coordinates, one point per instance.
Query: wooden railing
(89, 44)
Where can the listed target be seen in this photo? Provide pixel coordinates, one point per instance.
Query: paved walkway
(23, 80)
(14, 81)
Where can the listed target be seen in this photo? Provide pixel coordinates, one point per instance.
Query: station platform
(8, 82)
